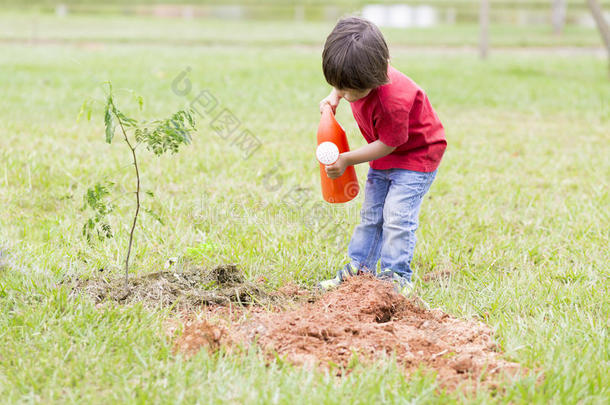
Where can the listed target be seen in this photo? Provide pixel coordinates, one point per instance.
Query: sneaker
(401, 285)
(342, 275)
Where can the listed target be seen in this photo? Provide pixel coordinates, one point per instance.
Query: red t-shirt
(399, 114)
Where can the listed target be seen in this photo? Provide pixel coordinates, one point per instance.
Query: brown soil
(187, 289)
(363, 317)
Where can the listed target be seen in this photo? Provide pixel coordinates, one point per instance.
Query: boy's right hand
(332, 100)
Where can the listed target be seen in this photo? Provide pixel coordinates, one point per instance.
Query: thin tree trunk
(558, 16)
(484, 27)
(602, 25)
(135, 216)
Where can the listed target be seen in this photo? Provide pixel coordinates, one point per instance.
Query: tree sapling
(159, 137)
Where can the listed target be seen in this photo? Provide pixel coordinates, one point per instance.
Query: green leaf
(168, 134)
(104, 231)
(126, 121)
(84, 107)
(109, 120)
(153, 214)
(95, 200)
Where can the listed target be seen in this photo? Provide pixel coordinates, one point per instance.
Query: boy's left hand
(338, 168)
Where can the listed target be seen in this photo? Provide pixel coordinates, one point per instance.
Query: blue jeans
(390, 213)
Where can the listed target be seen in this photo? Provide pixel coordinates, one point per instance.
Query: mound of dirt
(190, 288)
(363, 317)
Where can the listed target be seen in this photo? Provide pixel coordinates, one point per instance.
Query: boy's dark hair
(355, 55)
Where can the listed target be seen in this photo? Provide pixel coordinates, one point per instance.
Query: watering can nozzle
(327, 153)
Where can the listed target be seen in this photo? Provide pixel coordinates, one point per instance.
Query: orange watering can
(331, 142)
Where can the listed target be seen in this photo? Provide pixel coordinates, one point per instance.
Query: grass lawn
(21, 27)
(518, 217)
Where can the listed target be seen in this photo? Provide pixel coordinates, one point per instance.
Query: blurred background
(434, 23)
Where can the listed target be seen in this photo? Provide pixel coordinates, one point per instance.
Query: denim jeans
(390, 212)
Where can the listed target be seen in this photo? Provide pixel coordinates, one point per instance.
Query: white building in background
(401, 15)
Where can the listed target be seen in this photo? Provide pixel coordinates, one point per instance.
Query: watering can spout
(331, 142)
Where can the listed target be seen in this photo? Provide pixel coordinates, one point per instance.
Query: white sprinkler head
(327, 153)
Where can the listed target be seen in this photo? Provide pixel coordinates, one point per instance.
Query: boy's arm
(372, 151)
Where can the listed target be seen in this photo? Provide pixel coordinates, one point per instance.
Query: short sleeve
(393, 127)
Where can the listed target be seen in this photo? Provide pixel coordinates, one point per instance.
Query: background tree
(484, 29)
(602, 25)
(558, 16)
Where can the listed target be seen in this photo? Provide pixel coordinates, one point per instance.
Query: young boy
(406, 141)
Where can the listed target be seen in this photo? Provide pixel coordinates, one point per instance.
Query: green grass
(79, 28)
(518, 215)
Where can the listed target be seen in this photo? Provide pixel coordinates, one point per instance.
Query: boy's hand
(366, 153)
(332, 100)
(338, 168)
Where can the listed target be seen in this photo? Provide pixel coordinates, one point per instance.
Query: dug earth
(364, 317)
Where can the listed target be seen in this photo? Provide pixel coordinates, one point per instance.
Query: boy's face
(352, 95)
